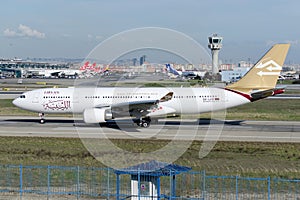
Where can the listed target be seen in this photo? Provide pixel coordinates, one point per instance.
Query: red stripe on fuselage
(247, 96)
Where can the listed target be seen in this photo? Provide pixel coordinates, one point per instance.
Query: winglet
(264, 74)
(167, 97)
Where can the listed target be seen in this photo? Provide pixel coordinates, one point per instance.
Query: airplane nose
(16, 102)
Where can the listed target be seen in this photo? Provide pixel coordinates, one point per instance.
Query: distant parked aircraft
(183, 73)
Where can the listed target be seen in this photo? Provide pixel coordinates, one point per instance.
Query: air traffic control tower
(215, 44)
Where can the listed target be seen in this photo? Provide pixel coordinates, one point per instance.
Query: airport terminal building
(16, 68)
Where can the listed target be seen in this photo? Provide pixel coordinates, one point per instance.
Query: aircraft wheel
(145, 124)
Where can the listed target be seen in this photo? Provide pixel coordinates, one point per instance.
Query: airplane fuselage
(76, 100)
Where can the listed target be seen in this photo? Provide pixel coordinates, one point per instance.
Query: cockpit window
(22, 96)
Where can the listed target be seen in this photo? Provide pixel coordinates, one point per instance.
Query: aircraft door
(75, 97)
(36, 97)
(75, 105)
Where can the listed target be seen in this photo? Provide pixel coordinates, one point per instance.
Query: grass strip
(226, 158)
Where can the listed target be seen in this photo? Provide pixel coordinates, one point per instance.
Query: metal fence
(56, 182)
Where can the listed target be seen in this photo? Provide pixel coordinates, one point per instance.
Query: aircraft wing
(138, 108)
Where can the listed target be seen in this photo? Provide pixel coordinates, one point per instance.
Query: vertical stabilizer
(171, 70)
(264, 74)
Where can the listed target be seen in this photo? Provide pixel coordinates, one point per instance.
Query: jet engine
(96, 115)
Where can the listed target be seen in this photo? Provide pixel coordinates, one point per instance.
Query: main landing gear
(42, 119)
(144, 122)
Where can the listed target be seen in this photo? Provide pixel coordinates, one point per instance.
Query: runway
(203, 129)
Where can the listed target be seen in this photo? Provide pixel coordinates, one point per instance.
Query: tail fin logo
(261, 73)
(272, 63)
(271, 66)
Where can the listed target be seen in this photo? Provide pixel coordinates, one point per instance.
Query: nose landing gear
(42, 119)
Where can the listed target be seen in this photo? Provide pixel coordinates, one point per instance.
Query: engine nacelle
(96, 115)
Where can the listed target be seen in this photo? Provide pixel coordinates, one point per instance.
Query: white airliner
(172, 72)
(99, 105)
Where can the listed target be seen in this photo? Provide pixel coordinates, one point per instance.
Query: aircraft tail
(170, 69)
(83, 67)
(264, 74)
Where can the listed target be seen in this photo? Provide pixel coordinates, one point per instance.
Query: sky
(72, 28)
